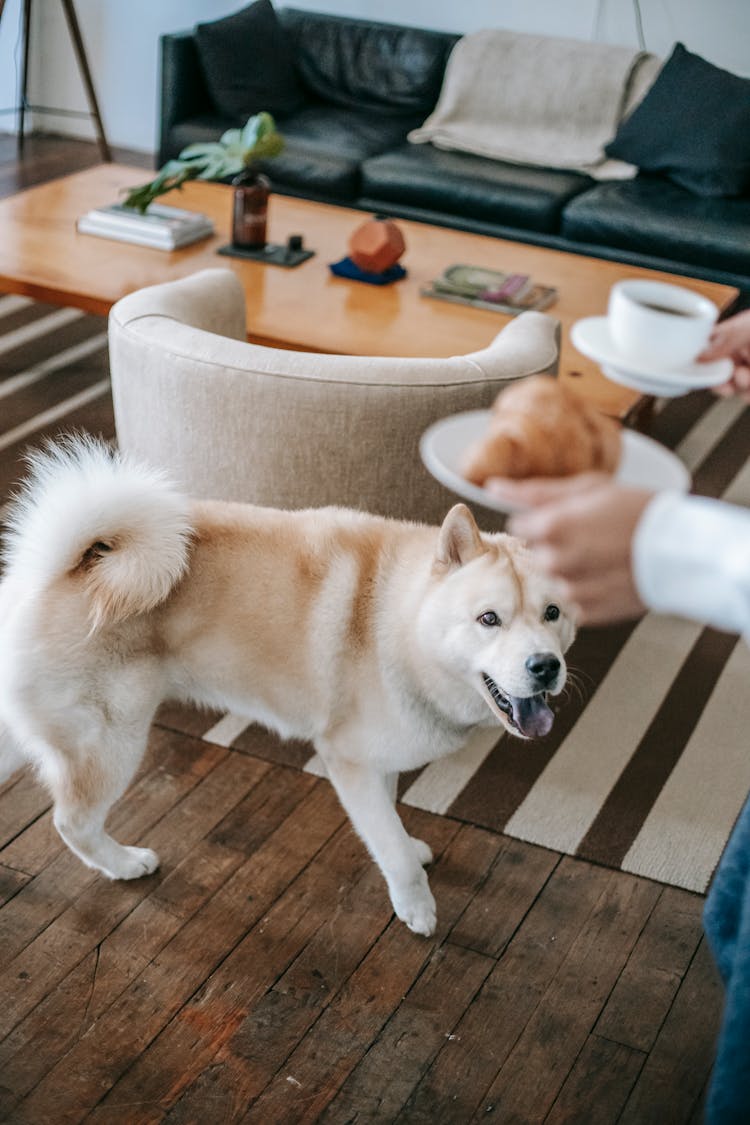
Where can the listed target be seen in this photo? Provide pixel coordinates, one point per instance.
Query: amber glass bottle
(251, 191)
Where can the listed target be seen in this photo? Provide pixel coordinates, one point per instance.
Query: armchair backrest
(237, 421)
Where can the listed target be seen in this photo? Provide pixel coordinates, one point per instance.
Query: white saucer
(591, 336)
(644, 463)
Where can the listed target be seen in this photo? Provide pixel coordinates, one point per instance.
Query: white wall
(122, 43)
(10, 61)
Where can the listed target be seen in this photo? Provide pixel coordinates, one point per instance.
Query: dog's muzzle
(530, 715)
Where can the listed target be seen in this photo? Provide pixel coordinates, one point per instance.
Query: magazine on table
(160, 226)
(509, 293)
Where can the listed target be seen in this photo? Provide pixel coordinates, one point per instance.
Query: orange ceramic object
(376, 245)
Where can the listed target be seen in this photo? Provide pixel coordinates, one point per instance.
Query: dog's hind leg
(365, 794)
(84, 786)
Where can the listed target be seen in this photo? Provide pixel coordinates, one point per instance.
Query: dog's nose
(543, 666)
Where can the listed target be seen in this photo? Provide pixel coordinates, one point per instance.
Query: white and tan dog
(383, 642)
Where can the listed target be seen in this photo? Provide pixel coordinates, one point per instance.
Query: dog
(383, 642)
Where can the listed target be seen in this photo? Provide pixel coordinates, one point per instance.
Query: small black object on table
(291, 253)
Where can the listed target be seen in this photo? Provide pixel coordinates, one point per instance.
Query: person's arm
(691, 556)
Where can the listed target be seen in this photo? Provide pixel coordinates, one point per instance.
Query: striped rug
(647, 765)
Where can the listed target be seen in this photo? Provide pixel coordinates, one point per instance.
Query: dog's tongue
(532, 716)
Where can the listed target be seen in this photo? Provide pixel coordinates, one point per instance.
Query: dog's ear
(459, 540)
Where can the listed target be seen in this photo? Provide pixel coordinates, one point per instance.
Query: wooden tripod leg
(83, 65)
(24, 73)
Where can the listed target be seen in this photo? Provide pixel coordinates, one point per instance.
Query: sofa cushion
(361, 64)
(692, 125)
(472, 186)
(325, 146)
(247, 62)
(652, 215)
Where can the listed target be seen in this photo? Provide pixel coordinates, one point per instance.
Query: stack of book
(164, 228)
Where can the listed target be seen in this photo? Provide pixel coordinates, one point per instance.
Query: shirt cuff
(691, 557)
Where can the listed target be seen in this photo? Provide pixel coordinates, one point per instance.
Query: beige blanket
(538, 100)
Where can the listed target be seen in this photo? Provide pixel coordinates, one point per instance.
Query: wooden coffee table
(307, 308)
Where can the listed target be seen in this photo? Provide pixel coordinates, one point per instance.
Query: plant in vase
(236, 154)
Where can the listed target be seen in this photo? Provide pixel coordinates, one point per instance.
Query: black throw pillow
(693, 126)
(248, 66)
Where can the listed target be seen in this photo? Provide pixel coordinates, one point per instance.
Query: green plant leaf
(199, 150)
(231, 137)
(140, 197)
(220, 168)
(213, 160)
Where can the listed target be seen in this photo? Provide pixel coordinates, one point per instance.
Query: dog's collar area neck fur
(531, 716)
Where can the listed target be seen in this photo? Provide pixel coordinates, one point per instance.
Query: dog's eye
(488, 618)
(551, 613)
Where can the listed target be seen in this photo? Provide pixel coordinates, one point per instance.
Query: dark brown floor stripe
(47, 345)
(719, 469)
(96, 417)
(678, 417)
(53, 389)
(262, 743)
(20, 406)
(623, 813)
(28, 314)
(186, 719)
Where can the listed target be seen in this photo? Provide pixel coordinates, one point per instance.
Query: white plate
(591, 336)
(644, 462)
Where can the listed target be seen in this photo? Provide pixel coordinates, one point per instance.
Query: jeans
(726, 918)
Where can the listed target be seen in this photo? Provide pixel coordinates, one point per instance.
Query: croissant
(538, 428)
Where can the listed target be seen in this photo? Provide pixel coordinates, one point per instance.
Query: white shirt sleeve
(691, 557)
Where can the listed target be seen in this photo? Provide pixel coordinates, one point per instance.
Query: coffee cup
(657, 325)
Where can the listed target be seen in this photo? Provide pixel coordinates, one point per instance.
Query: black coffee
(665, 309)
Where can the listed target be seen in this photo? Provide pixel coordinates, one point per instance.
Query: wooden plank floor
(259, 976)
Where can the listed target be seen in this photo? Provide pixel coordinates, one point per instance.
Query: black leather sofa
(364, 85)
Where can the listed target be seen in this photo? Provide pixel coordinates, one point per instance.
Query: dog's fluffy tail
(89, 515)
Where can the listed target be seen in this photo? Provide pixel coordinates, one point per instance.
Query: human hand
(731, 340)
(581, 529)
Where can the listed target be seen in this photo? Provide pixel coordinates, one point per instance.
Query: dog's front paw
(133, 863)
(416, 908)
(421, 917)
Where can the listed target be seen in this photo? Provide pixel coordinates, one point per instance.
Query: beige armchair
(233, 420)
